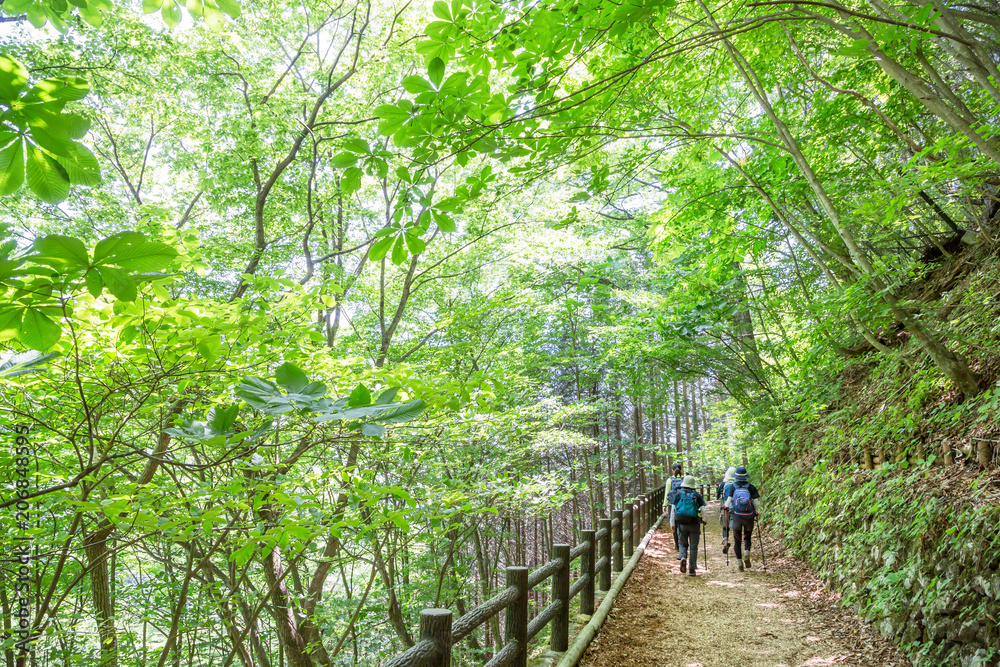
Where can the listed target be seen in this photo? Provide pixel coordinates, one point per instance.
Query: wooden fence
(601, 552)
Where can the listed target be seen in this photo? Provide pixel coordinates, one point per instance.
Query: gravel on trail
(726, 618)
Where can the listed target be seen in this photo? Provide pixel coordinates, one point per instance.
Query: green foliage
(38, 286)
(38, 138)
(60, 13)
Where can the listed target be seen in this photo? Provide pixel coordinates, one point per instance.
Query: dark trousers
(742, 527)
(689, 534)
(677, 541)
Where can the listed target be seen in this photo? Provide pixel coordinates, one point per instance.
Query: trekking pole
(760, 538)
(704, 541)
(725, 518)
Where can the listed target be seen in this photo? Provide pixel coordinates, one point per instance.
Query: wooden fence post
(605, 582)
(636, 526)
(587, 562)
(435, 625)
(627, 518)
(645, 514)
(516, 619)
(983, 452)
(617, 515)
(559, 639)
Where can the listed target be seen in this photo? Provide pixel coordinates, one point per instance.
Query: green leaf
(11, 167)
(53, 144)
(132, 251)
(398, 251)
(414, 243)
(38, 331)
(36, 15)
(13, 75)
(82, 168)
(380, 248)
(400, 522)
(208, 347)
(66, 248)
(441, 10)
(171, 13)
(46, 178)
(291, 377)
(404, 413)
(351, 180)
(444, 222)
(92, 16)
(373, 430)
(387, 396)
(25, 363)
(121, 244)
(221, 420)
(230, 7)
(391, 112)
(10, 319)
(244, 553)
(119, 283)
(66, 89)
(360, 396)
(151, 6)
(417, 84)
(215, 20)
(94, 283)
(343, 160)
(435, 70)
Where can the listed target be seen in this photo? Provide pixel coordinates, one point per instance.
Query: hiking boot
(725, 546)
(746, 562)
(692, 573)
(740, 564)
(684, 565)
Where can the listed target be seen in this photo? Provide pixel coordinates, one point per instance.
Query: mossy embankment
(887, 483)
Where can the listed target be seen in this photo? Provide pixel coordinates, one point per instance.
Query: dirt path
(727, 618)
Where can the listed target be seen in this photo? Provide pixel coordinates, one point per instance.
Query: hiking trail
(727, 618)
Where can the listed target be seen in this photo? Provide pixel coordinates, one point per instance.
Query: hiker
(686, 517)
(722, 492)
(742, 501)
(673, 487)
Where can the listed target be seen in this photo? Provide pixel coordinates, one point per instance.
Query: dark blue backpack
(687, 504)
(742, 502)
(675, 484)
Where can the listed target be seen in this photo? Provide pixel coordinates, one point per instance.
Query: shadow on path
(727, 618)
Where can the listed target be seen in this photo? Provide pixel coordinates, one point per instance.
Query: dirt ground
(727, 618)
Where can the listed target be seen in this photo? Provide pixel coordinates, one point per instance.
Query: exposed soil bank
(724, 617)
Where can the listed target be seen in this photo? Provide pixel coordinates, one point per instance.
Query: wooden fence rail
(600, 552)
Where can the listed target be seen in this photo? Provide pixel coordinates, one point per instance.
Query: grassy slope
(914, 545)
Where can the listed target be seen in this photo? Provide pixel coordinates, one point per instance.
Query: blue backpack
(687, 504)
(742, 502)
(675, 484)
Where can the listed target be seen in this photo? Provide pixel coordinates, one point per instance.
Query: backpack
(687, 504)
(742, 502)
(675, 484)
